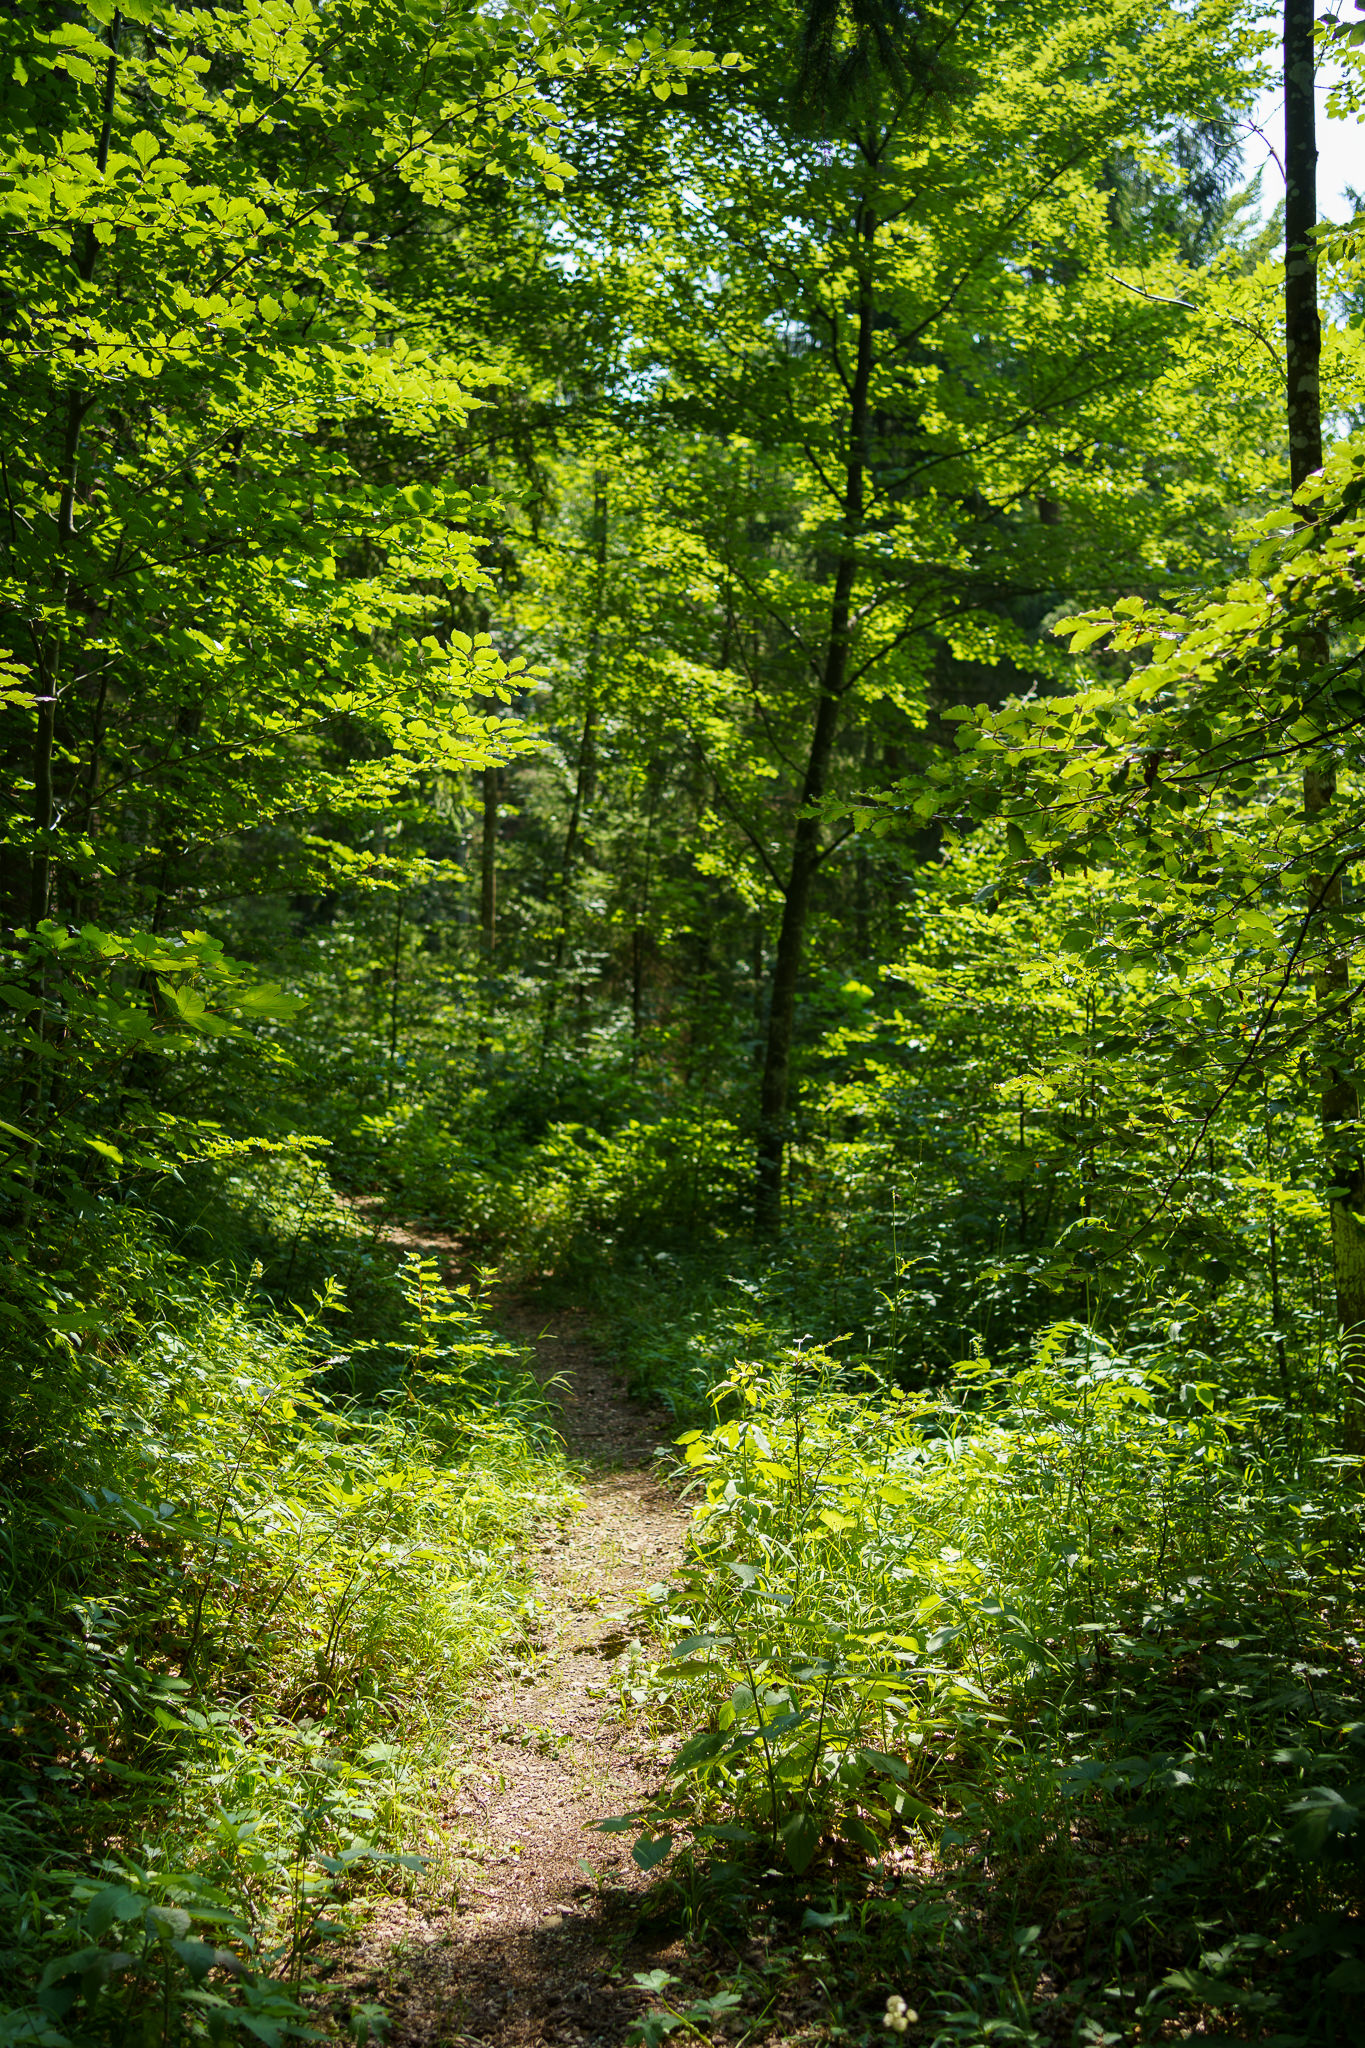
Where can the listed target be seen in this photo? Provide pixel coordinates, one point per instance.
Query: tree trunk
(1303, 328)
(488, 864)
(72, 421)
(395, 985)
(585, 779)
(775, 1087)
(760, 983)
(1340, 1105)
(49, 663)
(639, 938)
(637, 990)
(585, 787)
(862, 877)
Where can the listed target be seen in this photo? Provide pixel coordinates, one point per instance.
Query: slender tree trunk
(585, 777)
(50, 658)
(1340, 1105)
(639, 937)
(395, 985)
(760, 982)
(40, 875)
(862, 909)
(488, 863)
(1276, 1299)
(775, 1086)
(91, 814)
(862, 877)
(637, 990)
(1303, 327)
(50, 663)
(584, 789)
(72, 419)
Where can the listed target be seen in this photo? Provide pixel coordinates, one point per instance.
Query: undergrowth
(247, 1570)
(1044, 1689)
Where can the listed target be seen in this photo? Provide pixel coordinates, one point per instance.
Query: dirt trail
(541, 1946)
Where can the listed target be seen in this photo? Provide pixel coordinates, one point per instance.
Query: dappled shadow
(549, 1918)
(601, 1425)
(567, 1976)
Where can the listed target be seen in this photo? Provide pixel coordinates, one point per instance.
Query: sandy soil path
(541, 1947)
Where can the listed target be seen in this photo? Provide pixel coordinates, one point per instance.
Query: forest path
(542, 1941)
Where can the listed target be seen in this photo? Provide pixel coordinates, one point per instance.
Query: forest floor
(544, 1930)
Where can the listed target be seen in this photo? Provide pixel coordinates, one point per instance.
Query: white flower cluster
(898, 2015)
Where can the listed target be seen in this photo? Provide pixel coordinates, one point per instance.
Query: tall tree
(859, 297)
(1340, 1103)
(234, 558)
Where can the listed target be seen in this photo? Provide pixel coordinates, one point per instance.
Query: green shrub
(1084, 1602)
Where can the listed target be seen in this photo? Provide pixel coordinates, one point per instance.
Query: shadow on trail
(552, 1918)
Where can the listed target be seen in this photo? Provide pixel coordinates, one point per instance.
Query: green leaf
(1089, 634)
(115, 1902)
(69, 1966)
(728, 1831)
(888, 1766)
(800, 1838)
(861, 1835)
(266, 1000)
(655, 1982)
(1326, 1815)
(701, 1749)
(171, 1922)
